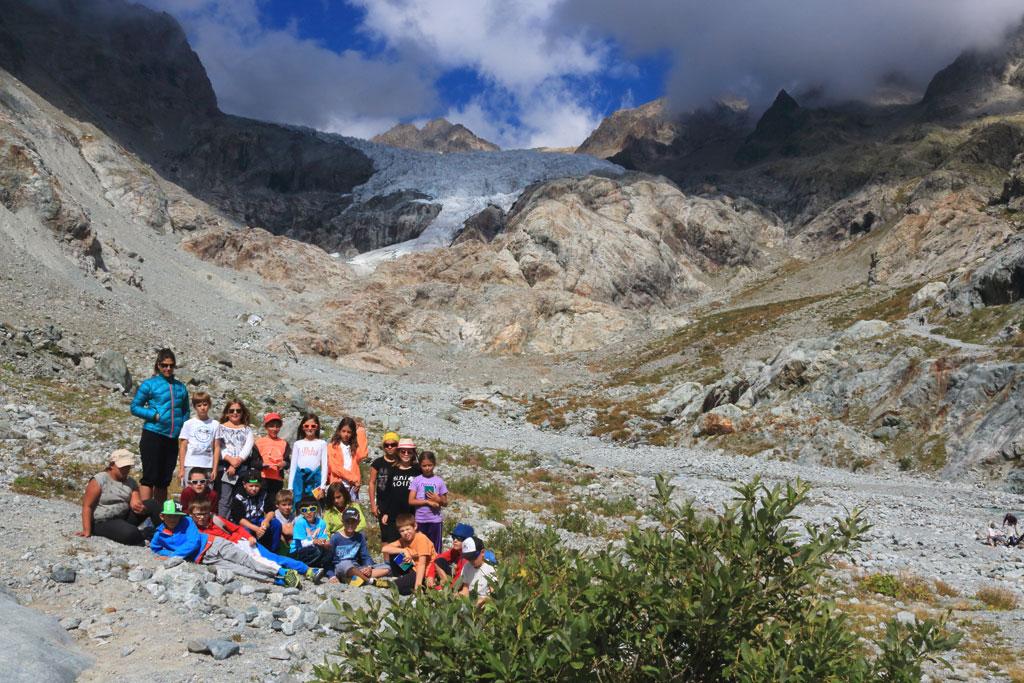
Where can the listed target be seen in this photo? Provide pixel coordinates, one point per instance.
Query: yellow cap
(390, 436)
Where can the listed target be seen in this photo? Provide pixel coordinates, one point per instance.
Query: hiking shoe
(315, 575)
(291, 579)
(381, 583)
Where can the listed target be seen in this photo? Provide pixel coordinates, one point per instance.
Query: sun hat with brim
(122, 457)
(171, 508)
(270, 417)
(406, 443)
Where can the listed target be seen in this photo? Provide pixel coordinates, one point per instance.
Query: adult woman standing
(162, 403)
(111, 506)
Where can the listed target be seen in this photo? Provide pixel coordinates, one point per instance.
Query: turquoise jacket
(162, 404)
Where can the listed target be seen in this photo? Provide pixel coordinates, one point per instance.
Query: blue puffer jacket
(162, 404)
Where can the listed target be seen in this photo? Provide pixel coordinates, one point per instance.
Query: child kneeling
(350, 555)
(178, 536)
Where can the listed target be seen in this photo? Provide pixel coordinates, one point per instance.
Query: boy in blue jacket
(178, 536)
(350, 556)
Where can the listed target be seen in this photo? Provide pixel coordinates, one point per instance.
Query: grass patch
(981, 324)
(580, 522)
(946, 590)
(490, 495)
(894, 307)
(612, 507)
(899, 586)
(997, 598)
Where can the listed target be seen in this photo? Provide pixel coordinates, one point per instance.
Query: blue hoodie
(185, 541)
(162, 404)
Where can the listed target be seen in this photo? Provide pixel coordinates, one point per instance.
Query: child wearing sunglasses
(307, 475)
(199, 486)
(310, 542)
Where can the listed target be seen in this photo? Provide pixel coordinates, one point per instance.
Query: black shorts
(388, 532)
(159, 459)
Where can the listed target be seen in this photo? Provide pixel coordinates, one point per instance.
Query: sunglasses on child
(309, 508)
(199, 481)
(234, 410)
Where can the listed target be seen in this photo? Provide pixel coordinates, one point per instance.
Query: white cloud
(276, 75)
(510, 42)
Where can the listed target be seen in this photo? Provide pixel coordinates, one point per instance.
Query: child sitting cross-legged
(214, 525)
(410, 555)
(249, 509)
(310, 542)
(178, 536)
(350, 554)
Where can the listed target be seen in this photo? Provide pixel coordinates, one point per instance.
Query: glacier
(463, 183)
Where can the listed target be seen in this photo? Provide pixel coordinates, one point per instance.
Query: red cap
(270, 417)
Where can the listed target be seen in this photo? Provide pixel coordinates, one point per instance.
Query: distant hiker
(195, 441)
(209, 523)
(427, 495)
(162, 402)
(380, 473)
(335, 504)
(179, 536)
(199, 487)
(310, 542)
(308, 473)
(249, 510)
(350, 556)
(995, 534)
(275, 454)
(445, 566)
(395, 498)
(1010, 529)
(344, 453)
(410, 555)
(475, 576)
(112, 507)
(284, 513)
(232, 451)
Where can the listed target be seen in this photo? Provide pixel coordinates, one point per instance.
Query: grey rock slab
(36, 647)
(222, 649)
(112, 367)
(63, 575)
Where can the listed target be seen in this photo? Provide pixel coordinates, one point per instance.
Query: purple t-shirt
(420, 485)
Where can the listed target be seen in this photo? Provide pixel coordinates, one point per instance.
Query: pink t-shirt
(420, 485)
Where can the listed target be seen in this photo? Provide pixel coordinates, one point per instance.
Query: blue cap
(462, 531)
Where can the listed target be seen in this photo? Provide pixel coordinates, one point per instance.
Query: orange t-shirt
(421, 546)
(272, 452)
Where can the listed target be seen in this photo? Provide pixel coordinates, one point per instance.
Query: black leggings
(125, 530)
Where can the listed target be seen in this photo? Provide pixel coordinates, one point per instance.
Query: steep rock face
(131, 72)
(649, 121)
(579, 261)
(438, 135)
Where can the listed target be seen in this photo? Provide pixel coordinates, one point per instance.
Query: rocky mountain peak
(438, 135)
(648, 121)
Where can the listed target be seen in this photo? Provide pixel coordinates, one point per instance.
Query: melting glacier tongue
(463, 183)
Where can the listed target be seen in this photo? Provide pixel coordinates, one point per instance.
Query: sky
(544, 73)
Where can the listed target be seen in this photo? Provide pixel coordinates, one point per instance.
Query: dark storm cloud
(752, 48)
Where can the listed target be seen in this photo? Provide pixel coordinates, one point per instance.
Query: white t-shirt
(199, 434)
(308, 454)
(478, 580)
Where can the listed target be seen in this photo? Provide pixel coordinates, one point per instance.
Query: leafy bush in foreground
(729, 598)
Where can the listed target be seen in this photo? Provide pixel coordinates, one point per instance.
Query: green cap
(171, 508)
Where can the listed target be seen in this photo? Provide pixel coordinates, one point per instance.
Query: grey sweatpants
(223, 553)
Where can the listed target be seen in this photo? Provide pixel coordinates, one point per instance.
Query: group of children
(238, 507)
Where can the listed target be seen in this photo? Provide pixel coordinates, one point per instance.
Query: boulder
(112, 367)
(36, 646)
(724, 419)
(864, 329)
(677, 399)
(927, 295)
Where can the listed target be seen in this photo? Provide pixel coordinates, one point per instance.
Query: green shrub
(580, 522)
(726, 598)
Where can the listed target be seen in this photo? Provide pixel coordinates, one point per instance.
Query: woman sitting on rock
(112, 507)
